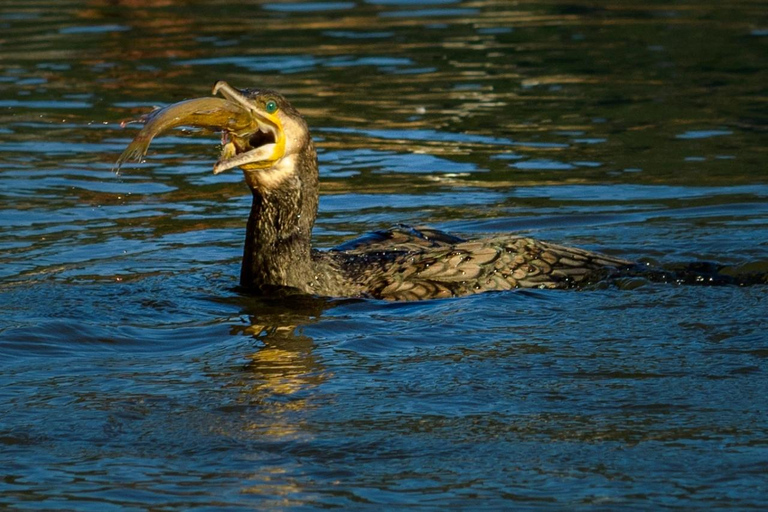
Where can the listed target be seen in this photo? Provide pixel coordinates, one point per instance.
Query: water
(133, 375)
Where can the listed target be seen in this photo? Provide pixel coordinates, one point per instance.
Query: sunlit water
(134, 376)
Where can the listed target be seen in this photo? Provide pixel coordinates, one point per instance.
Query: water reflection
(281, 374)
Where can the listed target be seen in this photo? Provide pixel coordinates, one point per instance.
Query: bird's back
(418, 263)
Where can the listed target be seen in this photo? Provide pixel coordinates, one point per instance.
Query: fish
(212, 113)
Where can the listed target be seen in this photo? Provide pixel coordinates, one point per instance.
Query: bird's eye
(270, 107)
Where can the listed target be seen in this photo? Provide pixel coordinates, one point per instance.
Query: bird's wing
(501, 263)
(400, 238)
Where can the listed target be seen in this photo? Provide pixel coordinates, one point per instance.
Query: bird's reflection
(280, 377)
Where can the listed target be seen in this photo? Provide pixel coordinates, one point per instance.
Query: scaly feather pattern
(412, 264)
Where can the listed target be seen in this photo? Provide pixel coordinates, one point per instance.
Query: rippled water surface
(133, 375)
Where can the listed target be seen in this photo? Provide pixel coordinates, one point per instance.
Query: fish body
(211, 113)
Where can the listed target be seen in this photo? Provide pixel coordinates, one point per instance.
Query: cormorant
(264, 135)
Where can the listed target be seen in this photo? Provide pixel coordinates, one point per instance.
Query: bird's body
(416, 263)
(270, 141)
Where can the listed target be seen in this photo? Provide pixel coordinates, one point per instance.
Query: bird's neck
(278, 238)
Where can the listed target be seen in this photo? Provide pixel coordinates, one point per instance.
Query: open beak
(250, 149)
(251, 138)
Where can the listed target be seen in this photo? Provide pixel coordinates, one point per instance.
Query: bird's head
(261, 133)
(268, 148)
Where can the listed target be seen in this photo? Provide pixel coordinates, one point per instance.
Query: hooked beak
(251, 137)
(251, 150)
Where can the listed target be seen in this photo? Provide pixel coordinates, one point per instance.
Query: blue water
(134, 376)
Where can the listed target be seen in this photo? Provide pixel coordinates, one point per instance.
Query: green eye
(270, 107)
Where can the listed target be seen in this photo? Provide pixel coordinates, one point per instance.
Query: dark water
(133, 376)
